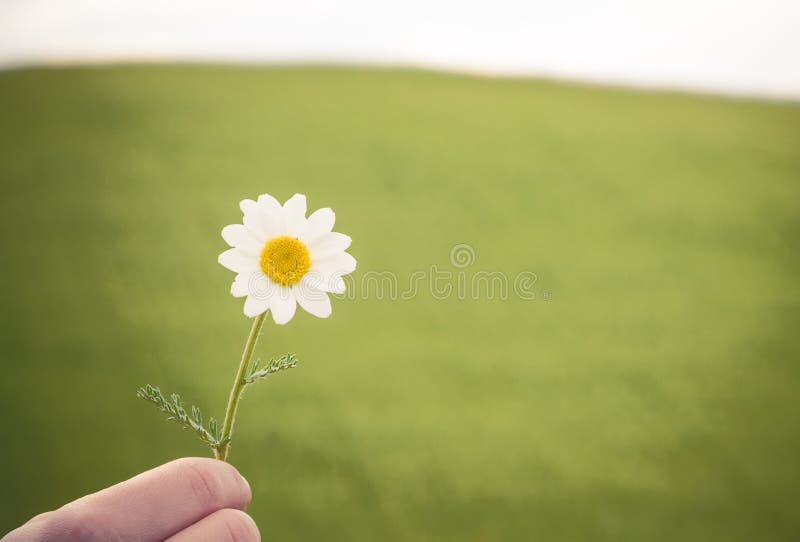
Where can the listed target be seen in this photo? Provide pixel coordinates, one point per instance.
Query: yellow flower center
(285, 260)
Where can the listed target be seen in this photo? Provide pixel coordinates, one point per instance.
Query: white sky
(738, 47)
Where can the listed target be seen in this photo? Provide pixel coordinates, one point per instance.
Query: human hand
(190, 499)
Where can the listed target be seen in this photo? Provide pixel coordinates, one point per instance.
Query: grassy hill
(648, 391)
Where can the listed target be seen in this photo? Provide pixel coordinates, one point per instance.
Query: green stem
(238, 388)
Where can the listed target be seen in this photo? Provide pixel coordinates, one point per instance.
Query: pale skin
(190, 499)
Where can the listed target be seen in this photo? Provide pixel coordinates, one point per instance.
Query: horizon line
(556, 76)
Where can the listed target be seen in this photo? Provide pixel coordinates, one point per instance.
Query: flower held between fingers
(282, 259)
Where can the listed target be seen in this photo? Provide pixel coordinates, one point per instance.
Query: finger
(221, 526)
(153, 505)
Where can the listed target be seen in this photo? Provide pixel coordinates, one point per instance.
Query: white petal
(272, 217)
(246, 204)
(239, 236)
(266, 199)
(334, 284)
(325, 282)
(259, 216)
(340, 263)
(316, 280)
(294, 212)
(236, 260)
(326, 275)
(318, 224)
(313, 301)
(253, 219)
(239, 287)
(328, 245)
(255, 305)
(282, 305)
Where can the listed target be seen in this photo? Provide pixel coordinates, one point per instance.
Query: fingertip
(227, 525)
(242, 526)
(247, 491)
(216, 484)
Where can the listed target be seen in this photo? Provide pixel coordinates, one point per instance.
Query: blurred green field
(648, 392)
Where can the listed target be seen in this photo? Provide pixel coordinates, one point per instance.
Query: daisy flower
(282, 259)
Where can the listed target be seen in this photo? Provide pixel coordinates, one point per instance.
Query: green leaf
(177, 413)
(256, 372)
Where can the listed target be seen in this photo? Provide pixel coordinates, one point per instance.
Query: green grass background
(649, 392)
